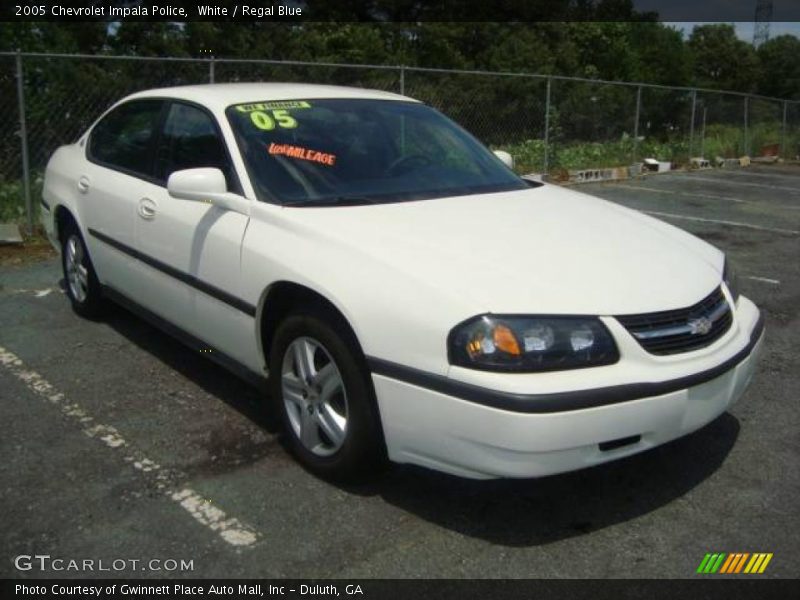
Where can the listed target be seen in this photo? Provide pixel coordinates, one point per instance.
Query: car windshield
(360, 151)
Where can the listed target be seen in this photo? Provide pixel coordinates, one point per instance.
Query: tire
(82, 286)
(323, 391)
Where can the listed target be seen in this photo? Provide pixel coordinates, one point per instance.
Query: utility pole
(763, 17)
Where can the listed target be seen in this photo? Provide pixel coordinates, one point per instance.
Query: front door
(192, 249)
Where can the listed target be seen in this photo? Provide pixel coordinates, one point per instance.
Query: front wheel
(325, 398)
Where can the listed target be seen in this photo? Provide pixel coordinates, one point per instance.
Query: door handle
(83, 184)
(147, 208)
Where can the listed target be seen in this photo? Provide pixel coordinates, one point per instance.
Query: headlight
(731, 280)
(530, 344)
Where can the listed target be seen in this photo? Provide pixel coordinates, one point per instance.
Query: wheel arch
(62, 216)
(283, 297)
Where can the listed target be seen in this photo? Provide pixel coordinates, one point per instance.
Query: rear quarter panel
(60, 187)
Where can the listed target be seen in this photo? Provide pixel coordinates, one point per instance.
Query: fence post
(691, 124)
(547, 128)
(211, 70)
(746, 141)
(783, 131)
(636, 123)
(402, 80)
(23, 134)
(703, 134)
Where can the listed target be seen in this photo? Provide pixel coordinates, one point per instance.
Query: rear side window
(124, 138)
(190, 140)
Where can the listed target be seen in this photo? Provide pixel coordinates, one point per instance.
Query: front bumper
(464, 435)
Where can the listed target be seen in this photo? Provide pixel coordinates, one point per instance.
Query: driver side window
(190, 140)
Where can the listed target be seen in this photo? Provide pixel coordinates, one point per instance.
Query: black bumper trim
(559, 401)
(190, 280)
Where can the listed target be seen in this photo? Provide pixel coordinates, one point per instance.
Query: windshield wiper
(335, 201)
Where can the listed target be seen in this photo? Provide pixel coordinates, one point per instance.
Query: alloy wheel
(77, 273)
(314, 396)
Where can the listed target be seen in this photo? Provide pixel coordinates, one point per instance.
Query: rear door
(118, 172)
(192, 249)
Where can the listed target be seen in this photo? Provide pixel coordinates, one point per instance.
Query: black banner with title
(392, 10)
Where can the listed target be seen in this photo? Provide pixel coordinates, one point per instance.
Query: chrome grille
(681, 330)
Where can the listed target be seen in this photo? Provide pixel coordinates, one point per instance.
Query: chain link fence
(12, 207)
(550, 124)
(791, 131)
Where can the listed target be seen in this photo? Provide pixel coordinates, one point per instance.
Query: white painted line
(772, 176)
(678, 193)
(740, 183)
(763, 279)
(712, 196)
(37, 293)
(721, 222)
(201, 509)
(212, 517)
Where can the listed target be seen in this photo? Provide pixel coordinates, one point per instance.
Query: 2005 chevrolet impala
(404, 294)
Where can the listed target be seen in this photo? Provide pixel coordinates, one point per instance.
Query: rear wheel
(325, 398)
(82, 285)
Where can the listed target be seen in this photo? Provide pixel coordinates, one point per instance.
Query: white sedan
(401, 292)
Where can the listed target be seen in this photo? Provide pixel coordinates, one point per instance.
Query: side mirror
(504, 156)
(206, 185)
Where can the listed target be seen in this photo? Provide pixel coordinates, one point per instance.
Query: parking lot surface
(120, 443)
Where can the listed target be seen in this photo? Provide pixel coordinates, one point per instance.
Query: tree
(139, 38)
(723, 61)
(661, 55)
(37, 36)
(780, 67)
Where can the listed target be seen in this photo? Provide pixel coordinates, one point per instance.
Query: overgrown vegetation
(720, 141)
(12, 203)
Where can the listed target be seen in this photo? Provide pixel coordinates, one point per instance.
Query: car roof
(221, 95)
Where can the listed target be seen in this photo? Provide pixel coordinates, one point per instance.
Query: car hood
(546, 250)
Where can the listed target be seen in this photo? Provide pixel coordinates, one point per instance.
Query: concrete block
(659, 166)
(607, 174)
(9, 233)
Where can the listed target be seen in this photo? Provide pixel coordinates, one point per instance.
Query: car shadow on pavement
(538, 511)
(201, 370)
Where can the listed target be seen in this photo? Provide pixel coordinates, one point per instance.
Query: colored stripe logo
(734, 562)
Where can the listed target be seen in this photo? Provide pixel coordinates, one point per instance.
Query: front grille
(681, 330)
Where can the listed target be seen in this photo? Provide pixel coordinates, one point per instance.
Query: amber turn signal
(504, 340)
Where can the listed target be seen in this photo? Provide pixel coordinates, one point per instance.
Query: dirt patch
(228, 448)
(34, 248)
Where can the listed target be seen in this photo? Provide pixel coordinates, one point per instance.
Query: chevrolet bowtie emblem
(700, 326)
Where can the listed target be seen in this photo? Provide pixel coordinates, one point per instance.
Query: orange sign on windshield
(302, 153)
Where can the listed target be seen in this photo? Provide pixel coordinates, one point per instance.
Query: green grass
(12, 200)
(720, 140)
